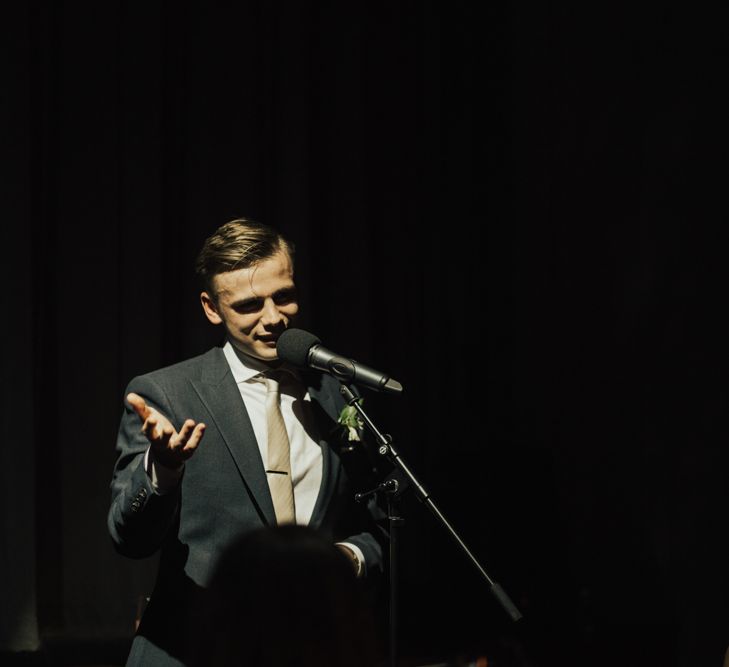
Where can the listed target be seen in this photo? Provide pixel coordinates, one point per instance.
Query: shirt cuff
(358, 555)
(162, 478)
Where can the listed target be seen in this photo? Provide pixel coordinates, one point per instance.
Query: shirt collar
(244, 367)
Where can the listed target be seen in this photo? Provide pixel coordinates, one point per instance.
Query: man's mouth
(268, 339)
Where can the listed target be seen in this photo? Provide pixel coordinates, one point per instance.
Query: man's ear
(211, 310)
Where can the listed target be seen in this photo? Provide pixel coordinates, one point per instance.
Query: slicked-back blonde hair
(238, 244)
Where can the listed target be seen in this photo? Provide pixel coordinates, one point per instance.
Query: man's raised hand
(169, 448)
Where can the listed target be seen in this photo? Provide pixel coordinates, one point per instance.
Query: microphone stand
(393, 487)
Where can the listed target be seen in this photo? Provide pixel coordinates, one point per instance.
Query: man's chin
(263, 355)
(267, 351)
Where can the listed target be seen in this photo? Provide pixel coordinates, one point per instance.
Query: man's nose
(271, 314)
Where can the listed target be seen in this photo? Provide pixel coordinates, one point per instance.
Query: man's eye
(248, 307)
(284, 297)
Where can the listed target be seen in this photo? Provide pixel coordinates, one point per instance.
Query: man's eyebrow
(246, 302)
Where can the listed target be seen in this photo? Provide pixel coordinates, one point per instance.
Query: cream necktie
(278, 469)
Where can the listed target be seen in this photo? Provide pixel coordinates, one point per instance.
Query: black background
(518, 210)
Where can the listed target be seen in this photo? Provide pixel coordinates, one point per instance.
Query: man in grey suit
(190, 476)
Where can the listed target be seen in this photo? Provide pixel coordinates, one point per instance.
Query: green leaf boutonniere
(350, 419)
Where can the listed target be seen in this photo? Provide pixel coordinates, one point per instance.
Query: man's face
(256, 305)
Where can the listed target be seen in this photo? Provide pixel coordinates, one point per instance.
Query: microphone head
(293, 346)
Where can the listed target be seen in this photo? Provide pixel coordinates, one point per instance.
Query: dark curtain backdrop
(517, 209)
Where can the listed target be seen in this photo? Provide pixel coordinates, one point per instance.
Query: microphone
(301, 348)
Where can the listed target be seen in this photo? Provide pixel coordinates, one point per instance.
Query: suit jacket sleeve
(369, 541)
(364, 523)
(139, 519)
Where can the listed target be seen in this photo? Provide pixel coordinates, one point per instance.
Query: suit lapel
(324, 404)
(219, 393)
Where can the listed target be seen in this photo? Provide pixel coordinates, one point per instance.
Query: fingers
(158, 431)
(140, 407)
(186, 430)
(170, 447)
(155, 426)
(189, 437)
(195, 438)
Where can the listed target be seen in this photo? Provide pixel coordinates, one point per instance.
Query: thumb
(140, 407)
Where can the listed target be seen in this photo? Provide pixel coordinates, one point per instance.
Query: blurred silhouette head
(285, 596)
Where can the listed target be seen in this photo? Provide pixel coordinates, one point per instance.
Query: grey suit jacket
(223, 493)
